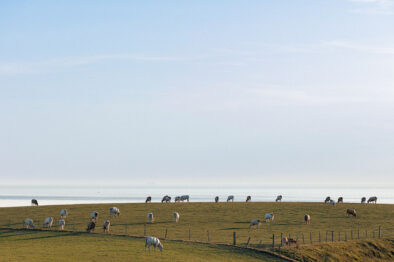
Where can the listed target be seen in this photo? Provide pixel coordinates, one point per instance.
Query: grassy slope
(29, 245)
(360, 250)
(220, 219)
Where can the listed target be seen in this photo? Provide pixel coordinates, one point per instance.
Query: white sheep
(114, 211)
(62, 223)
(255, 222)
(63, 213)
(153, 241)
(48, 222)
(29, 223)
(94, 215)
(269, 216)
(150, 218)
(231, 197)
(176, 217)
(106, 226)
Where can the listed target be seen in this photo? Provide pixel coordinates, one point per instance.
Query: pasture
(218, 221)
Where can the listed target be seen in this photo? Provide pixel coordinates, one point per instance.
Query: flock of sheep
(154, 241)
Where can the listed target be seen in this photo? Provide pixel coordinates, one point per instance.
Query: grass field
(29, 245)
(221, 220)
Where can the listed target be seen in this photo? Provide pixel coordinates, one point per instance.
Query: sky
(197, 92)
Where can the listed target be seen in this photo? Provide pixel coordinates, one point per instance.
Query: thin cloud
(361, 48)
(373, 7)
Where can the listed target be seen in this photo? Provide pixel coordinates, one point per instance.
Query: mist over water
(59, 195)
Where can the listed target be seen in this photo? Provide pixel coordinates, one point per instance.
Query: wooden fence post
(366, 233)
(319, 237)
(303, 240)
(273, 240)
(234, 238)
(247, 243)
(358, 233)
(310, 236)
(380, 232)
(208, 234)
(339, 236)
(345, 236)
(165, 237)
(326, 235)
(373, 234)
(125, 229)
(281, 239)
(144, 229)
(332, 236)
(189, 232)
(351, 234)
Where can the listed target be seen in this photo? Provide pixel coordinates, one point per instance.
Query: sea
(16, 195)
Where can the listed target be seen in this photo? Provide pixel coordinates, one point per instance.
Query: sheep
(106, 226)
(153, 241)
(231, 197)
(91, 226)
(363, 199)
(307, 219)
(278, 198)
(287, 241)
(327, 200)
(166, 199)
(177, 199)
(351, 212)
(216, 199)
(185, 197)
(29, 223)
(63, 213)
(34, 202)
(148, 199)
(372, 199)
(150, 218)
(248, 198)
(62, 223)
(176, 217)
(332, 202)
(94, 215)
(48, 222)
(269, 216)
(114, 211)
(340, 200)
(254, 222)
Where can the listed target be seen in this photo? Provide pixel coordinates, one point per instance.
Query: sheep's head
(161, 246)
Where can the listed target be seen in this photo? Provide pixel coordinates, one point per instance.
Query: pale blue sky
(197, 91)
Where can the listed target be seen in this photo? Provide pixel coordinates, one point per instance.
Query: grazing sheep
(332, 202)
(62, 223)
(91, 226)
(148, 199)
(114, 211)
(154, 241)
(29, 223)
(176, 217)
(166, 199)
(94, 215)
(255, 222)
(150, 218)
(231, 197)
(248, 199)
(363, 199)
(269, 216)
(106, 226)
(307, 219)
(34, 202)
(372, 199)
(351, 212)
(63, 213)
(216, 199)
(327, 200)
(177, 199)
(340, 200)
(48, 222)
(185, 197)
(278, 198)
(287, 241)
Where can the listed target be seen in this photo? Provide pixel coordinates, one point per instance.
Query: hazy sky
(197, 91)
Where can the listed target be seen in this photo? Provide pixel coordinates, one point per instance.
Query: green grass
(32, 245)
(221, 220)
(360, 250)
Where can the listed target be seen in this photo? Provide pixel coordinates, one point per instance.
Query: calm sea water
(54, 195)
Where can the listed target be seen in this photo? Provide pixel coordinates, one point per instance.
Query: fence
(239, 238)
